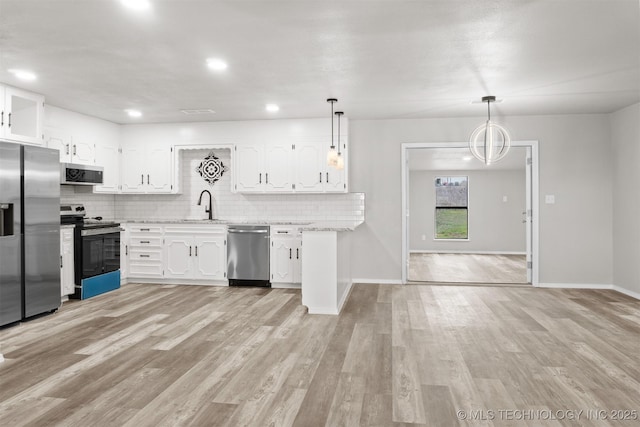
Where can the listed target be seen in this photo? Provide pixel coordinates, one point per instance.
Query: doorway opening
(464, 222)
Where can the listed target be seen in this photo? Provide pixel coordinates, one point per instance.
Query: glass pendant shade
(332, 157)
(489, 142)
(340, 162)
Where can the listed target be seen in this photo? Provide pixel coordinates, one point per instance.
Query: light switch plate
(550, 199)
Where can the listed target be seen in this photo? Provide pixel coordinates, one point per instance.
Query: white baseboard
(322, 310)
(574, 285)
(467, 252)
(377, 281)
(625, 291)
(622, 290)
(286, 286)
(344, 297)
(1, 358)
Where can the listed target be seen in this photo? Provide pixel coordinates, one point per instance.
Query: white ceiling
(381, 59)
(460, 159)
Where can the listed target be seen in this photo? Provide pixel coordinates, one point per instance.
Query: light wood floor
(150, 355)
(467, 268)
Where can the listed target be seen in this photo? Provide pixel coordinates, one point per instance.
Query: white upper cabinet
(21, 115)
(264, 168)
(146, 169)
(108, 156)
(286, 168)
(72, 149)
(312, 174)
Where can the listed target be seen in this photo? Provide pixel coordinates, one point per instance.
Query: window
(452, 207)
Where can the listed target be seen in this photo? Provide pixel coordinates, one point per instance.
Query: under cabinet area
(21, 115)
(193, 252)
(286, 256)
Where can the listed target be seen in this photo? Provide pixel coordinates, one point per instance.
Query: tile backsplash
(226, 205)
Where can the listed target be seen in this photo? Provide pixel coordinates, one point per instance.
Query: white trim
(406, 146)
(622, 290)
(377, 281)
(160, 281)
(423, 251)
(1, 358)
(574, 285)
(345, 296)
(632, 294)
(322, 310)
(286, 285)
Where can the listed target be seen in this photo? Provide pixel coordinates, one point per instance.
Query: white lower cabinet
(67, 279)
(286, 255)
(195, 252)
(167, 251)
(144, 251)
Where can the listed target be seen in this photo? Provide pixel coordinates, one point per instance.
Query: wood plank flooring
(467, 268)
(151, 355)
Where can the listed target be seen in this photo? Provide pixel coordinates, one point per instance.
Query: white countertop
(303, 225)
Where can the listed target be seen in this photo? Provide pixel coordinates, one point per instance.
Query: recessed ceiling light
(134, 113)
(216, 64)
(136, 4)
(272, 108)
(23, 74)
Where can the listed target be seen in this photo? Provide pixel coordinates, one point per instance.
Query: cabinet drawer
(284, 231)
(144, 229)
(147, 269)
(142, 254)
(143, 242)
(195, 229)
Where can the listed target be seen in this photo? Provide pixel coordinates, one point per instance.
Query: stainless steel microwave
(76, 174)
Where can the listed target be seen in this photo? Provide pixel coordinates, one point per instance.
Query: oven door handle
(99, 231)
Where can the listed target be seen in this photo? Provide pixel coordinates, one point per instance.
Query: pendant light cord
(489, 110)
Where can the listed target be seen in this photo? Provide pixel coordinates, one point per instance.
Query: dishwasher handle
(236, 230)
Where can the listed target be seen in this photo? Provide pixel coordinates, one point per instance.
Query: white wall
(625, 138)
(575, 166)
(494, 225)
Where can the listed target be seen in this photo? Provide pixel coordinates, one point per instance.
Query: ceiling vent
(198, 111)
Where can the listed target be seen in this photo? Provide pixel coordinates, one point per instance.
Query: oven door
(100, 253)
(92, 255)
(111, 247)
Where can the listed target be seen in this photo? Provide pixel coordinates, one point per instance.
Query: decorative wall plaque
(211, 168)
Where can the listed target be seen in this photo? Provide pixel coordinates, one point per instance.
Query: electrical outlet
(424, 237)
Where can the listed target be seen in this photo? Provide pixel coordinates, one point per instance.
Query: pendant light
(332, 155)
(490, 142)
(340, 160)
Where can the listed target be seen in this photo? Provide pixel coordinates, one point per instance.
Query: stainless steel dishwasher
(248, 255)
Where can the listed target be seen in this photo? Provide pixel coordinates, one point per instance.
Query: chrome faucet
(210, 210)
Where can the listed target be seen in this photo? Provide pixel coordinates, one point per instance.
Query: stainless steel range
(96, 252)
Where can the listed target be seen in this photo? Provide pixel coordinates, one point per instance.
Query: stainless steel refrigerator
(29, 231)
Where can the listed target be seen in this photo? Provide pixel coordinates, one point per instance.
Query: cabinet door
(67, 277)
(278, 163)
(60, 140)
(132, 177)
(296, 264)
(23, 115)
(158, 170)
(281, 258)
(210, 258)
(334, 180)
(179, 252)
(249, 162)
(109, 158)
(309, 167)
(83, 152)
